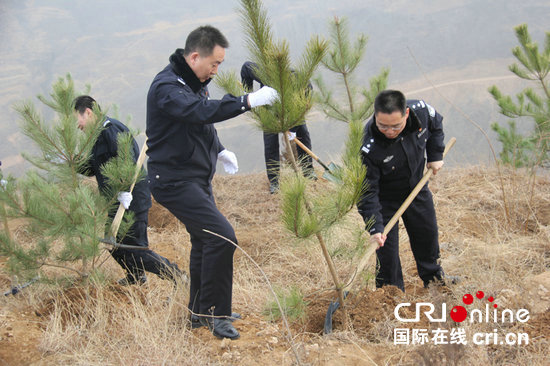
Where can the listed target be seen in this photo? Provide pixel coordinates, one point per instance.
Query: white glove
(291, 135)
(125, 198)
(3, 183)
(229, 161)
(265, 95)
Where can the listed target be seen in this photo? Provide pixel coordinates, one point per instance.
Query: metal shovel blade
(334, 305)
(329, 173)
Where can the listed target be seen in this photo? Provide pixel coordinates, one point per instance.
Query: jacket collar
(181, 68)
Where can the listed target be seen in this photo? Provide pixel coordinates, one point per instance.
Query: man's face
(84, 118)
(206, 67)
(391, 124)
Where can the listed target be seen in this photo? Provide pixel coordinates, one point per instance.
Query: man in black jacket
(271, 140)
(396, 142)
(183, 150)
(133, 261)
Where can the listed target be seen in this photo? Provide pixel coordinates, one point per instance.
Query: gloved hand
(291, 135)
(125, 198)
(229, 161)
(265, 96)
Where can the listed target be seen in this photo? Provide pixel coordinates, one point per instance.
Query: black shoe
(273, 188)
(451, 280)
(175, 275)
(221, 328)
(445, 281)
(196, 320)
(131, 279)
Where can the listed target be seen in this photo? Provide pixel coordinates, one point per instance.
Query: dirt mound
(366, 309)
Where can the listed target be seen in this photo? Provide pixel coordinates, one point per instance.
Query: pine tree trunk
(5, 221)
(320, 238)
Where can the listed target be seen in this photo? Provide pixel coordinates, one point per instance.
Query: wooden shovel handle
(373, 245)
(120, 212)
(304, 147)
(308, 151)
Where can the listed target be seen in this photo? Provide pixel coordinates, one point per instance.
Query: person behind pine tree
(396, 142)
(183, 148)
(133, 261)
(271, 140)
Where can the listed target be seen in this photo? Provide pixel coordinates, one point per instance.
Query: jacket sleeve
(184, 105)
(248, 76)
(369, 205)
(220, 145)
(435, 144)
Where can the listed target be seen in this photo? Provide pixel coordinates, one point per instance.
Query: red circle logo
(458, 314)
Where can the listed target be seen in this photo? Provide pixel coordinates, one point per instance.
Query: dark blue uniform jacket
(183, 144)
(106, 148)
(395, 166)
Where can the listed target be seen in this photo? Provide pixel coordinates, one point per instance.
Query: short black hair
(389, 101)
(84, 101)
(203, 40)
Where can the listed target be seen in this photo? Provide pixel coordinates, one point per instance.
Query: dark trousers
(421, 225)
(271, 152)
(136, 261)
(211, 260)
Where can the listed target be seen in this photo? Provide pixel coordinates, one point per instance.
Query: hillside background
(117, 47)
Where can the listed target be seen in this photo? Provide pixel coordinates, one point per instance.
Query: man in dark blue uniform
(397, 140)
(271, 140)
(134, 261)
(183, 148)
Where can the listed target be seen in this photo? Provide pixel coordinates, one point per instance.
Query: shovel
(16, 289)
(373, 245)
(329, 170)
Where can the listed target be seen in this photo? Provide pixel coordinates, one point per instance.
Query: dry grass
(147, 326)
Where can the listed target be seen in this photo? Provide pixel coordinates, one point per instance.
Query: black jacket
(105, 148)
(395, 166)
(183, 144)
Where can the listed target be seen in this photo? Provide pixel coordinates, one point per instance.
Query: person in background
(271, 140)
(183, 149)
(134, 261)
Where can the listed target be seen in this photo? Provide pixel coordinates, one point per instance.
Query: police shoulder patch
(431, 110)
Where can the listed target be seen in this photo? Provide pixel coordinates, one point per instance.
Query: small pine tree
(63, 211)
(530, 150)
(305, 213)
(343, 59)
